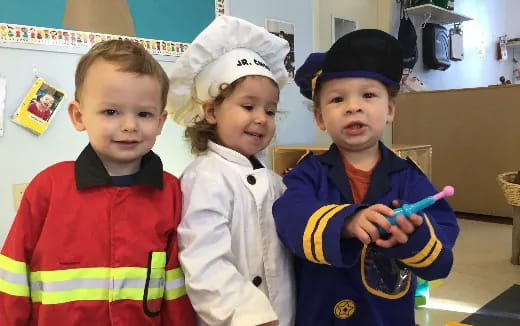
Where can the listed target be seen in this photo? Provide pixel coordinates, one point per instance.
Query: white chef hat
(228, 49)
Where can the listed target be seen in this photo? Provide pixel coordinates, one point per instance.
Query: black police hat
(369, 53)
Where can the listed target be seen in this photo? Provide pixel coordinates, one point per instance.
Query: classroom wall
(491, 19)
(23, 155)
(366, 14)
(295, 125)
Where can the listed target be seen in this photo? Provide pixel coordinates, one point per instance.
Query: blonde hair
(201, 131)
(130, 56)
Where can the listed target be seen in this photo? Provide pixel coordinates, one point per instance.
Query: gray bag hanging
(408, 39)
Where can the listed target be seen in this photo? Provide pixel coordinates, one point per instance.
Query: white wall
(491, 18)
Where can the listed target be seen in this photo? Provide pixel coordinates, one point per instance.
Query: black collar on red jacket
(380, 181)
(89, 170)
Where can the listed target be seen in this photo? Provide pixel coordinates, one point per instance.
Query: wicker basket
(511, 190)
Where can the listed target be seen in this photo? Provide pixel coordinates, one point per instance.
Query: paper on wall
(38, 107)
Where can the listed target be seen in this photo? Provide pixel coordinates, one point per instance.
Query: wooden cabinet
(421, 154)
(475, 133)
(285, 157)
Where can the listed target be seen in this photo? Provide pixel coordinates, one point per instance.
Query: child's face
(354, 112)
(46, 102)
(122, 114)
(245, 120)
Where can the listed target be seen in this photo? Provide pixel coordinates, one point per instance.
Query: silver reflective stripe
(94, 283)
(175, 284)
(13, 278)
(135, 283)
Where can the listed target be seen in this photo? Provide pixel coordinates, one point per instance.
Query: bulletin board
(167, 25)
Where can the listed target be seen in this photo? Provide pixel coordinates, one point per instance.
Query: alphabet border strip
(14, 33)
(61, 37)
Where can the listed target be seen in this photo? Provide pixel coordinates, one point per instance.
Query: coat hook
(35, 72)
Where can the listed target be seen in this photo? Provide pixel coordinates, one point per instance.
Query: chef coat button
(251, 179)
(257, 281)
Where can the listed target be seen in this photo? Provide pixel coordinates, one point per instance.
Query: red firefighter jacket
(82, 251)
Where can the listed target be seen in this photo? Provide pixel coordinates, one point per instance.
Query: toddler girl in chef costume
(225, 90)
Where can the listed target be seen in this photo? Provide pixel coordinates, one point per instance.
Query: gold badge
(344, 309)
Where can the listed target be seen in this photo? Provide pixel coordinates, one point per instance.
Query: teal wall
(171, 20)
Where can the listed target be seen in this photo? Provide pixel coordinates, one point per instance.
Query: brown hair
(201, 131)
(130, 56)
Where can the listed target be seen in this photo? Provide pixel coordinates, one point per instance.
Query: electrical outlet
(18, 193)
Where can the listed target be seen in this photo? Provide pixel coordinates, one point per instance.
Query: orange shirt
(359, 181)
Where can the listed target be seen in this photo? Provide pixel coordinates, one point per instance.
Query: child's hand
(399, 233)
(362, 226)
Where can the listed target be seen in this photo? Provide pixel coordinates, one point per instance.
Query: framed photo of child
(38, 107)
(284, 30)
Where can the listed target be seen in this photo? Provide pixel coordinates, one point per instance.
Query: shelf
(435, 14)
(513, 43)
(286, 157)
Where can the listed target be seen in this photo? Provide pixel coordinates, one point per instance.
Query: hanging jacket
(237, 271)
(82, 251)
(343, 282)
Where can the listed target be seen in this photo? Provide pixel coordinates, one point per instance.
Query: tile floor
(481, 271)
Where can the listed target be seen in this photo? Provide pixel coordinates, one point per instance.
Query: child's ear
(162, 120)
(75, 116)
(319, 119)
(391, 111)
(209, 112)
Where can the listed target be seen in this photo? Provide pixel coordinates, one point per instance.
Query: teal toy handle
(408, 209)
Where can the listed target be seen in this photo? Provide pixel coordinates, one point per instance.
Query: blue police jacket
(342, 281)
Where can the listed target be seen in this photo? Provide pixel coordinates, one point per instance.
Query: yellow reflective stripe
(157, 273)
(12, 265)
(137, 294)
(175, 287)
(13, 277)
(173, 274)
(174, 293)
(307, 233)
(128, 272)
(427, 250)
(93, 272)
(158, 259)
(53, 287)
(14, 289)
(318, 236)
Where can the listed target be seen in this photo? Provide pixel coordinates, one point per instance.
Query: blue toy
(408, 209)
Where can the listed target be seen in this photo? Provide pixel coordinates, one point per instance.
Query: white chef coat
(237, 271)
